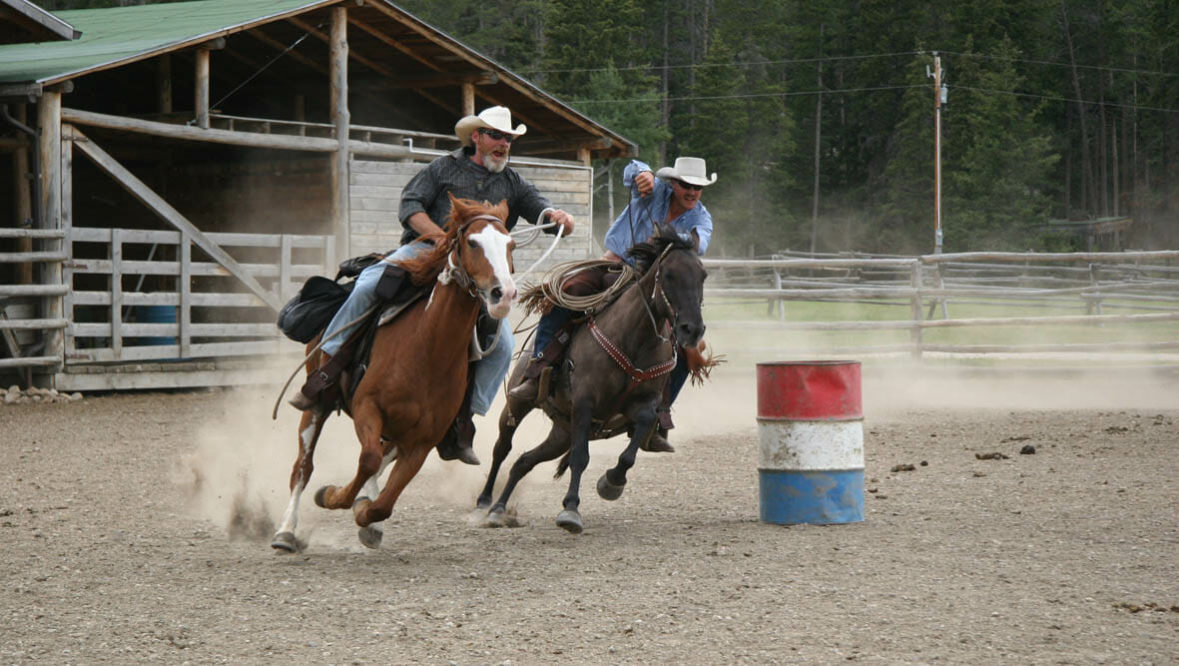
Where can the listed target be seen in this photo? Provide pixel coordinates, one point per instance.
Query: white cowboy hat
(688, 169)
(493, 117)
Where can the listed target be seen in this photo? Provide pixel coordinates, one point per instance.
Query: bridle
(454, 271)
(658, 288)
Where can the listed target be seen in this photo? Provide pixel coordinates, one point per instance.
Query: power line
(807, 61)
(1068, 99)
(757, 63)
(743, 96)
(1062, 64)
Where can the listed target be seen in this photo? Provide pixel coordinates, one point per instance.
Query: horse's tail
(562, 465)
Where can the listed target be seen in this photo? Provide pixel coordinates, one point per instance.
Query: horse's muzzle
(688, 334)
(499, 300)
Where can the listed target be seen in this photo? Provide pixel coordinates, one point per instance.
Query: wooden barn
(176, 171)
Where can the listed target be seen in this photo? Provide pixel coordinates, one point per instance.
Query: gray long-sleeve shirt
(457, 174)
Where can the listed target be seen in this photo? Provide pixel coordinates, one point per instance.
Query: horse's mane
(647, 252)
(425, 267)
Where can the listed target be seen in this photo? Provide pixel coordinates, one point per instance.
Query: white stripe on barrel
(810, 422)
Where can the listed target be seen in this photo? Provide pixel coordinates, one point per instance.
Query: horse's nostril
(497, 293)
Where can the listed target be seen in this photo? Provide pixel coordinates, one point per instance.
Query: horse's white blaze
(495, 248)
(290, 518)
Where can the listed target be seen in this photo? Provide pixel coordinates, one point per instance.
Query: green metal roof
(118, 34)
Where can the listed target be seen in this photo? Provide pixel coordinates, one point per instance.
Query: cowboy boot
(459, 441)
(529, 389)
(657, 442)
(327, 375)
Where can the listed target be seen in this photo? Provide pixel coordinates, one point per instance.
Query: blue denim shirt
(641, 211)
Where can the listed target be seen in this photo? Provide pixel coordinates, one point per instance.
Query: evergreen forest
(819, 115)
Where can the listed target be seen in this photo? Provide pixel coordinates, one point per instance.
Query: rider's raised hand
(645, 181)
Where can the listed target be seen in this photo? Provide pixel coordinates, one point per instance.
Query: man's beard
(494, 164)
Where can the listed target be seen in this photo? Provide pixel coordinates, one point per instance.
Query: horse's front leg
(367, 419)
(580, 423)
(310, 427)
(404, 469)
(554, 445)
(371, 535)
(613, 481)
(503, 446)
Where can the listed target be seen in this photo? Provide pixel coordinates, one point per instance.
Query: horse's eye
(472, 244)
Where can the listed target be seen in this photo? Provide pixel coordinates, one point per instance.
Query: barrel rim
(771, 364)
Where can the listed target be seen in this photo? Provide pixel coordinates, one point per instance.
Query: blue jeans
(489, 371)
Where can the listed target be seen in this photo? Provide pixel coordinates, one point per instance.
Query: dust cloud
(237, 475)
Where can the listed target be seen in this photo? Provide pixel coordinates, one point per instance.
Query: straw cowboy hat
(688, 169)
(493, 117)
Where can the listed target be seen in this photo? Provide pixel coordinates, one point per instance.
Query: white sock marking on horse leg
(290, 518)
(372, 488)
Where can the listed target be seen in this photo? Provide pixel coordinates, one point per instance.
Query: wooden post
(164, 84)
(340, 118)
(117, 292)
(584, 156)
(49, 121)
(300, 109)
(23, 200)
(67, 225)
(468, 99)
(916, 334)
(184, 291)
(201, 91)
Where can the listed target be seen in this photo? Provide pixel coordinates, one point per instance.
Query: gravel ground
(135, 528)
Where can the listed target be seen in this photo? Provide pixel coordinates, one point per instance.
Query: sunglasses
(496, 135)
(689, 186)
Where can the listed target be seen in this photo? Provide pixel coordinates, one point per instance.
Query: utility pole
(939, 98)
(940, 95)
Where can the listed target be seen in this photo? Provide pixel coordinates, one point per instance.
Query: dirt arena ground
(135, 528)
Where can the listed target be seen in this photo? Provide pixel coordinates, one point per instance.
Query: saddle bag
(305, 315)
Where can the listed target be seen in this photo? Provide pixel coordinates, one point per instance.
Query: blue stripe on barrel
(811, 467)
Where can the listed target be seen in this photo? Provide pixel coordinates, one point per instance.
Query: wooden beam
(22, 92)
(382, 37)
(235, 138)
(257, 34)
(341, 119)
(376, 67)
(201, 89)
(156, 203)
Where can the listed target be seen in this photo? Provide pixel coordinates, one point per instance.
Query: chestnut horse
(614, 374)
(417, 373)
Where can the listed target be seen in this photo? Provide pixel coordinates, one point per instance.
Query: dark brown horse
(417, 372)
(613, 376)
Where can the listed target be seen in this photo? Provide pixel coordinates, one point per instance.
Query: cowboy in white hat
(478, 170)
(672, 200)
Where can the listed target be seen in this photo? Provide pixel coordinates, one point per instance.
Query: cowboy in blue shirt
(670, 196)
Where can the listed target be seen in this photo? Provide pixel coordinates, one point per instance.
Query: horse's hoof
(607, 490)
(285, 542)
(570, 521)
(496, 518)
(321, 497)
(483, 504)
(370, 537)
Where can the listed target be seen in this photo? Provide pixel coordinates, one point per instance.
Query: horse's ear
(500, 210)
(696, 241)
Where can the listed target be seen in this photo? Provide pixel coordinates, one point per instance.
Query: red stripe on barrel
(807, 390)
